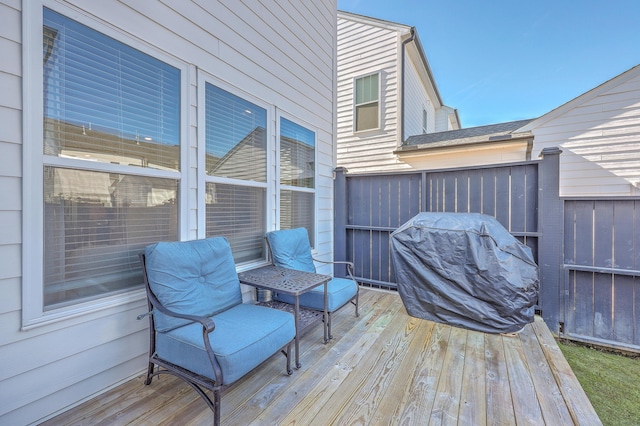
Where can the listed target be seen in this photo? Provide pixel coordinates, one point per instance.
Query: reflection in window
(297, 177)
(236, 136)
(95, 225)
(236, 148)
(105, 101)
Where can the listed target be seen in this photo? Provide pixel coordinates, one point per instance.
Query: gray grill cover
(465, 270)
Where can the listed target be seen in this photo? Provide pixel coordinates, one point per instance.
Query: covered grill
(465, 270)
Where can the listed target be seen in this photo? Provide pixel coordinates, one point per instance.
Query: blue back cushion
(290, 249)
(192, 277)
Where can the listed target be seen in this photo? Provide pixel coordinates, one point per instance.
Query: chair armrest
(207, 323)
(350, 265)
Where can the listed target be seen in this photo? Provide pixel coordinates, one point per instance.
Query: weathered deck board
(382, 368)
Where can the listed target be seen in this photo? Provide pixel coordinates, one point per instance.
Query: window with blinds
(367, 102)
(236, 165)
(104, 104)
(297, 177)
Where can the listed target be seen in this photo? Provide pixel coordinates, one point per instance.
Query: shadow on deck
(384, 367)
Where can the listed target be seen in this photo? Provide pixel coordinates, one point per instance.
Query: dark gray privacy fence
(590, 290)
(369, 207)
(601, 288)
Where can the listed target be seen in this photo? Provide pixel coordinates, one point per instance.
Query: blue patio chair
(200, 331)
(290, 248)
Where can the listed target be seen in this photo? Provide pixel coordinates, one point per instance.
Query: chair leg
(216, 404)
(149, 373)
(357, 303)
(289, 369)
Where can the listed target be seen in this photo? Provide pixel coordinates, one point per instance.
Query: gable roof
(585, 97)
(407, 32)
(499, 132)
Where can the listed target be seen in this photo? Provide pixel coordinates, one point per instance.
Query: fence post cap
(551, 150)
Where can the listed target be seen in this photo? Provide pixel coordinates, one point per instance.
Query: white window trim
(279, 187)
(33, 313)
(353, 108)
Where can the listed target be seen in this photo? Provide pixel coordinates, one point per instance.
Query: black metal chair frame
(196, 381)
(354, 300)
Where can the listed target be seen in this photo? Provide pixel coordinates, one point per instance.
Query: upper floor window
(367, 104)
(111, 113)
(424, 120)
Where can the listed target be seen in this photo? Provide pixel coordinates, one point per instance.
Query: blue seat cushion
(245, 335)
(192, 277)
(339, 292)
(290, 248)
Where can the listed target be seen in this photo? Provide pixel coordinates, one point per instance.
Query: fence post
(341, 209)
(551, 220)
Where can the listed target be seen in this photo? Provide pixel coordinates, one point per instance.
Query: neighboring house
(386, 93)
(598, 133)
(125, 123)
(472, 146)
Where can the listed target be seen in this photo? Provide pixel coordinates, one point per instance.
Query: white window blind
(367, 102)
(104, 103)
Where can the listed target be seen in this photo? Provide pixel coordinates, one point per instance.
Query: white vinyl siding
(417, 100)
(364, 49)
(600, 142)
(281, 53)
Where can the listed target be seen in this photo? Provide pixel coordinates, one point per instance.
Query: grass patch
(610, 380)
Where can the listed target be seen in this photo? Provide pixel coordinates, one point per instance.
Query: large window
(297, 177)
(236, 168)
(367, 104)
(111, 163)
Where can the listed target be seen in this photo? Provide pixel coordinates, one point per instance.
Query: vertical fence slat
(462, 193)
(623, 235)
(623, 322)
(518, 200)
(531, 189)
(488, 192)
(602, 306)
(603, 234)
(569, 232)
(584, 234)
(583, 301)
(475, 191)
(503, 176)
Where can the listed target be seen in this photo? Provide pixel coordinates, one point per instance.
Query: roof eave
(451, 145)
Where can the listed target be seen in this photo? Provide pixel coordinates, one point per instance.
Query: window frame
(205, 78)
(34, 160)
(356, 104)
(279, 187)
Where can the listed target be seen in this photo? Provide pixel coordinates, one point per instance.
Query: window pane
(95, 225)
(297, 209)
(236, 136)
(237, 212)
(367, 117)
(297, 155)
(367, 89)
(105, 101)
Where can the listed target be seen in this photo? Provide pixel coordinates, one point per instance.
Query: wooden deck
(381, 368)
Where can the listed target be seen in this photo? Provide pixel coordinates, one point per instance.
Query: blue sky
(502, 60)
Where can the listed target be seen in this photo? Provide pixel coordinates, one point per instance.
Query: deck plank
(381, 368)
(473, 409)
